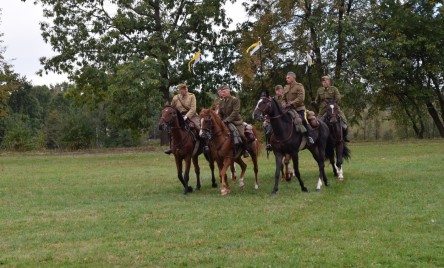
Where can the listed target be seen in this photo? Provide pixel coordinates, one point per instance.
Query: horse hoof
(304, 189)
(256, 186)
(341, 179)
(214, 185)
(318, 190)
(190, 189)
(224, 191)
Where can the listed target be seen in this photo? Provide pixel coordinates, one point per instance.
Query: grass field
(127, 210)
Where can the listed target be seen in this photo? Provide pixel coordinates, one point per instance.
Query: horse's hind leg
(243, 169)
(295, 159)
(196, 171)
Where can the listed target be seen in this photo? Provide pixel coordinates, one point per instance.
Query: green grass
(128, 210)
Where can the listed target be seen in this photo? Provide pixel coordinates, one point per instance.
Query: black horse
(336, 144)
(286, 140)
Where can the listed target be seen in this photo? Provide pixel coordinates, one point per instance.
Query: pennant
(308, 59)
(195, 59)
(255, 47)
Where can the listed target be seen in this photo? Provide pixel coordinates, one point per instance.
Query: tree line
(124, 58)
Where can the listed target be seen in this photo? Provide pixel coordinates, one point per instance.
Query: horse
(336, 145)
(222, 149)
(286, 140)
(186, 146)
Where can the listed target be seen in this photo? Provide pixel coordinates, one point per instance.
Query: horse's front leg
(179, 173)
(338, 165)
(186, 177)
(277, 172)
(195, 159)
(223, 166)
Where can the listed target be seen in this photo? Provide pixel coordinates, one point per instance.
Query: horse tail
(346, 153)
(259, 142)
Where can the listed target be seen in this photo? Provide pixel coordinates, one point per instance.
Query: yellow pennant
(196, 59)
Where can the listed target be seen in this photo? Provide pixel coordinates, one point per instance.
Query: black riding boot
(168, 151)
(245, 153)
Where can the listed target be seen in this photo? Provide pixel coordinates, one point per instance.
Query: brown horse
(222, 148)
(336, 146)
(186, 146)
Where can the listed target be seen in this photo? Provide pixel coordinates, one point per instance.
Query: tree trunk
(434, 114)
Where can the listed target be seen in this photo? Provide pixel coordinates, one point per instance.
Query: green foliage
(21, 134)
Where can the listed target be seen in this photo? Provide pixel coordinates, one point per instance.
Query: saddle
(249, 134)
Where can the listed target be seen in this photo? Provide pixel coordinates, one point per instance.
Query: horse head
(332, 111)
(263, 107)
(170, 118)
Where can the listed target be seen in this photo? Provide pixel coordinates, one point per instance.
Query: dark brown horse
(186, 146)
(286, 140)
(336, 144)
(223, 150)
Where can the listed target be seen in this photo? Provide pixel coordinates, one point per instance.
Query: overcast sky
(24, 44)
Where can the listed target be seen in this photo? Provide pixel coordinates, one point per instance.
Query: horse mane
(216, 119)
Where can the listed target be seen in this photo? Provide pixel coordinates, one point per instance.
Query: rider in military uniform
(293, 98)
(325, 93)
(185, 102)
(229, 112)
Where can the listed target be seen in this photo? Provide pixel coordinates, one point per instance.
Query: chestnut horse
(336, 144)
(186, 146)
(286, 140)
(222, 150)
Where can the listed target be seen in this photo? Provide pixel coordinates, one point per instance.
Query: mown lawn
(127, 209)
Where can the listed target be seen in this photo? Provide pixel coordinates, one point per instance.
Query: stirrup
(245, 154)
(268, 148)
(169, 151)
(346, 138)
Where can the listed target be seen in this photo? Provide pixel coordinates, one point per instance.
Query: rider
(279, 93)
(229, 112)
(293, 98)
(185, 102)
(326, 93)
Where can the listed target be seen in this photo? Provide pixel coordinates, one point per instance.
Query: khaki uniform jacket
(322, 94)
(188, 100)
(229, 110)
(279, 100)
(294, 94)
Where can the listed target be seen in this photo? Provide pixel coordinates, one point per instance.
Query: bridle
(173, 116)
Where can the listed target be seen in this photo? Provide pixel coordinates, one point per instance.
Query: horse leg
(288, 172)
(186, 177)
(319, 155)
(179, 174)
(278, 159)
(295, 158)
(223, 166)
(255, 166)
(243, 169)
(196, 171)
(213, 178)
(233, 171)
(338, 166)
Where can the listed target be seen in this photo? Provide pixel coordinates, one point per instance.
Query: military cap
(181, 85)
(325, 77)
